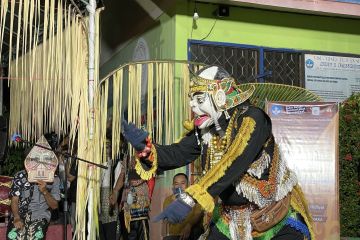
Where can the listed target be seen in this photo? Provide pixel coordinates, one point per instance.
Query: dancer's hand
(134, 135)
(176, 212)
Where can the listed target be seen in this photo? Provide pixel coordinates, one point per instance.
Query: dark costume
(245, 185)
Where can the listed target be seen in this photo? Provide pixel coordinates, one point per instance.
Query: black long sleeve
(166, 157)
(178, 154)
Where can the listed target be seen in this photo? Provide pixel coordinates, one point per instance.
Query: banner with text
(307, 134)
(333, 78)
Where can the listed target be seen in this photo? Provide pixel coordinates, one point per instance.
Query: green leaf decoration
(278, 92)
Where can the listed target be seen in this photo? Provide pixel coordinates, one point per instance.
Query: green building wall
(160, 40)
(169, 39)
(267, 28)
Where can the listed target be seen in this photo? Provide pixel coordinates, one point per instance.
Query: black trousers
(109, 231)
(286, 233)
(139, 230)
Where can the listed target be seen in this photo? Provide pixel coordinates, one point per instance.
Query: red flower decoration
(348, 157)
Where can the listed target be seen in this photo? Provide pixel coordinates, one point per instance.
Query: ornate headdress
(220, 86)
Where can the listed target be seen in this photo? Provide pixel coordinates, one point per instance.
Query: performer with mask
(33, 192)
(245, 184)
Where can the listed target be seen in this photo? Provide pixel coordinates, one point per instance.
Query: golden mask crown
(225, 93)
(199, 84)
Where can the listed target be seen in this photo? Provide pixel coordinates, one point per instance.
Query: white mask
(204, 110)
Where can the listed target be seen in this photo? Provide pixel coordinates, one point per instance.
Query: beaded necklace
(218, 146)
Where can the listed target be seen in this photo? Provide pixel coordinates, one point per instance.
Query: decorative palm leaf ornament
(49, 88)
(278, 92)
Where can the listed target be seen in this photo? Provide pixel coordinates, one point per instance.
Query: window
(246, 62)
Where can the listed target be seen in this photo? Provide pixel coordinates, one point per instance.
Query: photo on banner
(307, 134)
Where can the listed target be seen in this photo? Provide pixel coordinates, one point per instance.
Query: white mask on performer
(204, 110)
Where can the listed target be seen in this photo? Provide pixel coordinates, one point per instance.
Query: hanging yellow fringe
(117, 111)
(157, 110)
(92, 149)
(42, 100)
(49, 89)
(3, 12)
(150, 99)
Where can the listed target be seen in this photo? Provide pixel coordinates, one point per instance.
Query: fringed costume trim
(205, 200)
(264, 192)
(151, 172)
(257, 168)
